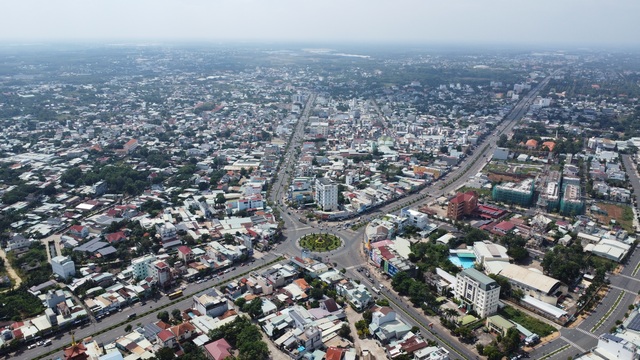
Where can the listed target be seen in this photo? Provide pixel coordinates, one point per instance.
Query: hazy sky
(577, 22)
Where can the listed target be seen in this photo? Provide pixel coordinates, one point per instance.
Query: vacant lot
(502, 177)
(534, 325)
(622, 214)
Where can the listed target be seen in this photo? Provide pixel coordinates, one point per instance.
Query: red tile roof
(218, 349)
(115, 237)
(184, 249)
(333, 353)
(505, 226)
(165, 335)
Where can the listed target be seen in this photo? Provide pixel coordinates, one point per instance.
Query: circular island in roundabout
(320, 242)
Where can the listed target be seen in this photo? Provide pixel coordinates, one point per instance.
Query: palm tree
(450, 313)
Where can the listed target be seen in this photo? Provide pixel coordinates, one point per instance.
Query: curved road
(349, 256)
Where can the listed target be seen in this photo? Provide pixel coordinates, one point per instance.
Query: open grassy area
(622, 214)
(534, 325)
(481, 192)
(496, 167)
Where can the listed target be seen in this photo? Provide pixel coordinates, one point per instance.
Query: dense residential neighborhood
(251, 203)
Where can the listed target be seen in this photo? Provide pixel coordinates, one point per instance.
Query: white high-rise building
(63, 266)
(478, 290)
(326, 194)
(140, 266)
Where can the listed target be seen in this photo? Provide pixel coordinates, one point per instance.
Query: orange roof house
(549, 144)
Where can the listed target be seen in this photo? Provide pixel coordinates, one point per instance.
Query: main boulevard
(351, 256)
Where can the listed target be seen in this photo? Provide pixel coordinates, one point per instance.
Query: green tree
(401, 283)
(565, 263)
(228, 238)
(165, 353)
(254, 308)
(163, 316)
(316, 293)
(492, 352)
(254, 350)
(511, 342)
(367, 316)
(502, 141)
(220, 199)
(176, 314)
(49, 190)
(240, 302)
(345, 331)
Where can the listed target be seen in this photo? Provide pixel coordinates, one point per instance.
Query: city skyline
(570, 22)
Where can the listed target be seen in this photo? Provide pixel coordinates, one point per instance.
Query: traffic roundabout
(320, 242)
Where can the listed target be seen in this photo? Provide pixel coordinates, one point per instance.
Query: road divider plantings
(155, 310)
(635, 271)
(320, 242)
(606, 316)
(559, 350)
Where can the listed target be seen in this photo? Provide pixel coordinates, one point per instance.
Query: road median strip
(559, 350)
(608, 313)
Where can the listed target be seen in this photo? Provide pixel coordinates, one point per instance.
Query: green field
(534, 325)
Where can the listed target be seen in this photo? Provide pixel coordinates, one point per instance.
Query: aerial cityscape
(177, 196)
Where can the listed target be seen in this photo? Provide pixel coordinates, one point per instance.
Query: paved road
(138, 308)
(583, 338)
(346, 257)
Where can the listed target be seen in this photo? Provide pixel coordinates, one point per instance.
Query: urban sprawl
(220, 202)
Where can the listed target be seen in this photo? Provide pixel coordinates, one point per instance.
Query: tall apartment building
(549, 198)
(514, 193)
(140, 266)
(462, 204)
(63, 266)
(326, 194)
(160, 272)
(571, 202)
(478, 290)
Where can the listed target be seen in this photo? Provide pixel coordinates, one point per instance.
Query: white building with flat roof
(326, 194)
(614, 347)
(210, 304)
(478, 290)
(63, 266)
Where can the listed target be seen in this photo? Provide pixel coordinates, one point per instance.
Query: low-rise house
(217, 350)
(385, 326)
(356, 294)
(210, 304)
(17, 242)
(431, 353)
